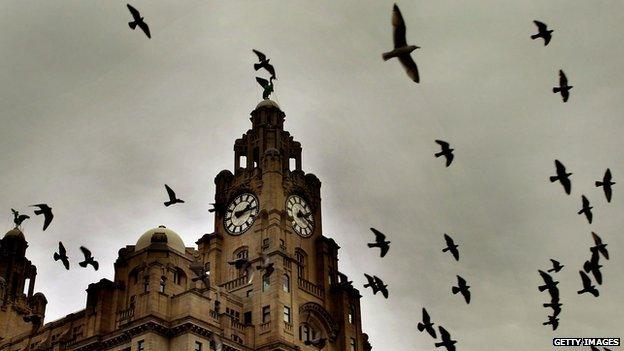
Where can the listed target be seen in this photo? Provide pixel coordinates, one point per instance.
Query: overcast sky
(96, 118)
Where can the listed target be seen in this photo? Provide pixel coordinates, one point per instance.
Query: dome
(160, 235)
(268, 103)
(15, 233)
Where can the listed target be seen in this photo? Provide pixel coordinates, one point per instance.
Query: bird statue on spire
(267, 85)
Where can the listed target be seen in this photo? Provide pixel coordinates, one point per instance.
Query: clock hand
(244, 210)
(304, 215)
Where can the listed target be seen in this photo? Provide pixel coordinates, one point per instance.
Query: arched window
(286, 283)
(301, 258)
(241, 253)
(266, 282)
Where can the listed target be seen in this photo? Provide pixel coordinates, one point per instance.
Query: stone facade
(153, 303)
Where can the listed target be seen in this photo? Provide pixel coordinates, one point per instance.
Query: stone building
(267, 208)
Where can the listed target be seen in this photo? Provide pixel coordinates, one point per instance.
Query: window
(249, 293)
(306, 332)
(287, 314)
(178, 276)
(242, 254)
(141, 345)
(266, 282)
(351, 315)
(146, 284)
(330, 277)
(265, 243)
(286, 283)
(266, 314)
(163, 281)
(247, 317)
(282, 244)
(198, 346)
(134, 277)
(352, 345)
(300, 257)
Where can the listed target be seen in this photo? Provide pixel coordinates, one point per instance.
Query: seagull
(562, 177)
(376, 284)
(401, 49)
(267, 86)
(202, 274)
(463, 288)
(556, 266)
(586, 209)
(451, 247)
(172, 197)
(18, 219)
(245, 265)
(553, 321)
(46, 211)
(318, 343)
(343, 281)
(556, 307)
(599, 246)
(138, 21)
(88, 259)
(549, 283)
(380, 242)
(563, 87)
(266, 266)
(543, 32)
(426, 324)
(593, 266)
(606, 184)
(264, 63)
(446, 340)
(446, 151)
(62, 255)
(587, 285)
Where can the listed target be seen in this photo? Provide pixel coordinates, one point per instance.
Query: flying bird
(543, 32)
(172, 197)
(267, 87)
(556, 266)
(586, 209)
(446, 339)
(462, 288)
(380, 242)
(593, 266)
(556, 307)
(401, 50)
(377, 285)
(245, 265)
(451, 247)
(18, 219)
(88, 259)
(553, 321)
(318, 343)
(201, 273)
(264, 63)
(599, 246)
(46, 211)
(549, 283)
(606, 184)
(587, 285)
(426, 324)
(563, 87)
(446, 151)
(562, 176)
(138, 21)
(62, 255)
(266, 265)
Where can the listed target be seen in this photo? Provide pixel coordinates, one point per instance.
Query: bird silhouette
(593, 266)
(380, 242)
(264, 63)
(318, 343)
(172, 197)
(606, 184)
(46, 211)
(267, 87)
(138, 21)
(446, 151)
(543, 32)
(586, 209)
(553, 321)
(266, 265)
(201, 273)
(556, 266)
(18, 218)
(599, 246)
(426, 324)
(446, 339)
(245, 265)
(88, 259)
(451, 247)
(562, 176)
(587, 285)
(377, 285)
(462, 288)
(217, 207)
(401, 50)
(549, 283)
(62, 255)
(563, 87)
(556, 307)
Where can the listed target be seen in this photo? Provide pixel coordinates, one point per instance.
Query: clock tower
(269, 207)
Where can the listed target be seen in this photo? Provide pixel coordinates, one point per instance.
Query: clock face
(300, 211)
(241, 213)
